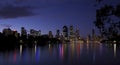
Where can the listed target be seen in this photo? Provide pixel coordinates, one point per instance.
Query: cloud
(11, 11)
(22, 8)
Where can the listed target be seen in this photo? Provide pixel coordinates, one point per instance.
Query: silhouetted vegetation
(108, 21)
(11, 41)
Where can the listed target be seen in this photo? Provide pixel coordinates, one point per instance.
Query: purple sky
(48, 15)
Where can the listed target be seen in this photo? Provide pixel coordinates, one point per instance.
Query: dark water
(63, 54)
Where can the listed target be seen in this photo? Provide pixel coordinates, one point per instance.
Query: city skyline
(48, 15)
(59, 32)
(24, 31)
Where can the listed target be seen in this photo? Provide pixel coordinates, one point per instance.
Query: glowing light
(14, 30)
(61, 52)
(114, 50)
(49, 45)
(87, 47)
(114, 41)
(35, 42)
(21, 41)
(50, 49)
(35, 49)
(20, 50)
(72, 49)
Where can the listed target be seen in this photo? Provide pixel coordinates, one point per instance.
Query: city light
(114, 50)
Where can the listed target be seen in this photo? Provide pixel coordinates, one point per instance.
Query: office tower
(7, 31)
(71, 31)
(39, 33)
(93, 34)
(15, 33)
(65, 32)
(23, 31)
(32, 32)
(50, 34)
(35, 33)
(57, 34)
(88, 39)
(77, 34)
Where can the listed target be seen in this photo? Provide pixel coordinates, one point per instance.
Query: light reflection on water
(114, 50)
(73, 53)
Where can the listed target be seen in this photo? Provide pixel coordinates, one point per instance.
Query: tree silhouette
(108, 20)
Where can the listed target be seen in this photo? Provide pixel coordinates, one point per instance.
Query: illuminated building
(15, 33)
(71, 31)
(77, 34)
(65, 32)
(32, 32)
(7, 31)
(57, 34)
(23, 35)
(93, 34)
(39, 33)
(23, 31)
(50, 34)
(61, 37)
(71, 34)
(88, 39)
(35, 32)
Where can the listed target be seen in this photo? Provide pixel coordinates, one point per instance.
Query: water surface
(63, 54)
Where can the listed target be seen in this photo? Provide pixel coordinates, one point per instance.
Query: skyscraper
(32, 32)
(71, 31)
(65, 32)
(50, 34)
(35, 32)
(93, 34)
(58, 34)
(15, 33)
(7, 31)
(77, 34)
(23, 31)
(39, 33)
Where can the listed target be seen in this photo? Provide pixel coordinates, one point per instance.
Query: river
(63, 54)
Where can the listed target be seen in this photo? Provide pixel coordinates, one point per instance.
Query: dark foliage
(108, 26)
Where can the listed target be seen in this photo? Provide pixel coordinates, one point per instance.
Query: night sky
(48, 15)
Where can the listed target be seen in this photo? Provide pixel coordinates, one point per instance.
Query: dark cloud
(11, 11)
(19, 8)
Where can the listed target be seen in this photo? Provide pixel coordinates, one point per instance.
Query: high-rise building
(88, 39)
(32, 32)
(71, 31)
(50, 34)
(23, 31)
(93, 34)
(65, 32)
(39, 33)
(15, 33)
(57, 34)
(7, 31)
(77, 34)
(35, 32)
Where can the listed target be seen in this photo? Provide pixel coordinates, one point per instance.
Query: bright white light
(20, 50)
(114, 50)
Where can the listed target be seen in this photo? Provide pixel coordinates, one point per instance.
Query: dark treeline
(108, 21)
(11, 41)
